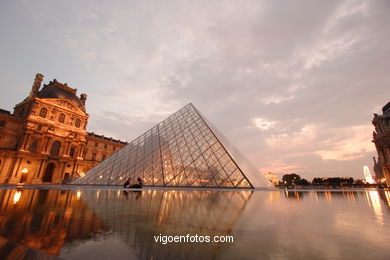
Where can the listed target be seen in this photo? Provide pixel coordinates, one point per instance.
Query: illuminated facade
(183, 150)
(381, 138)
(45, 139)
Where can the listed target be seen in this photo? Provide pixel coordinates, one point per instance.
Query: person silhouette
(138, 184)
(127, 183)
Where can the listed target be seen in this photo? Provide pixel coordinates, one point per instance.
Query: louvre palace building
(45, 139)
(381, 139)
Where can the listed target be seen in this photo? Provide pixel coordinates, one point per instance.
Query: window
(94, 157)
(33, 146)
(96, 144)
(61, 118)
(43, 112)
(105, 146)
(72, 150)
(114, 148)
(104, 157)
(84, 154)
(55, 148)
(77, 123)
(2, 123)
(39, 128)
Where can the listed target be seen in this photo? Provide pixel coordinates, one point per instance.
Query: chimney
(36, 85)
(83, 98)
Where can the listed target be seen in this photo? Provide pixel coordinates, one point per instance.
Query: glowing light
(100, 176)
(17, 197)
(373, 197)
(367, 175)
(387, 194)
(78, 194)
(328, 196)
(82, 174)
(25, 170)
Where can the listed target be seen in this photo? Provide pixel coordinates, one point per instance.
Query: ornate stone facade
(381, 138)
(45, 139)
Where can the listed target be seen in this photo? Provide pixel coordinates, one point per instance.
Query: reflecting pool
(110, 223)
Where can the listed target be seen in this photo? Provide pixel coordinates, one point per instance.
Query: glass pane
(182, 150)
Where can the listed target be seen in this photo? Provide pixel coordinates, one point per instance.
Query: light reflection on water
(97, 224)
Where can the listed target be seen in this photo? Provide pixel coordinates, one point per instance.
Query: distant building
(381, 138)
(45, 139)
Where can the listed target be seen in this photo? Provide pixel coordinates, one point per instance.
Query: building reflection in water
(385, 196)
(136, 217)
(46, 219)
(373, 197)
(51, 220)
(375, 203)
(60, 221)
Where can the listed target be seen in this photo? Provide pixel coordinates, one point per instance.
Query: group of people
(137, 184)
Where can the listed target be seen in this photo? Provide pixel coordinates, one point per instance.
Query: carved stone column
(46, 146)
(27, 142)
(67, 148)
(23, 142)
(80, 152)
(37, 173)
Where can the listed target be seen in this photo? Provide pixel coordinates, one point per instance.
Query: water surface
(109, 223)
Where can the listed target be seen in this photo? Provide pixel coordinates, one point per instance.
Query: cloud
(296, 81)
(323, 51)
(287, 140)
(356, 145)
(276, 99)
(264, 124)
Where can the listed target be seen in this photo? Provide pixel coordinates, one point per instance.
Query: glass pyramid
(184, 150)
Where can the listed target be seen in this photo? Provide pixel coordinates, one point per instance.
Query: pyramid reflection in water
(183, 150)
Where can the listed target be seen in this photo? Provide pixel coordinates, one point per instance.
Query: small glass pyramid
(183, 150)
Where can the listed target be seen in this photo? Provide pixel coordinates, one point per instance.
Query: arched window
(72, 150)
(43, 112)
(94, 157)
(77, 123)
(61, 118)
(33, 146)
(55, 148)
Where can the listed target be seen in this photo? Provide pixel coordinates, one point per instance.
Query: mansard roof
(56, 89)
(386, 109)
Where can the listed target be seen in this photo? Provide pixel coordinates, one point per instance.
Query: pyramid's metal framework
(181, 151)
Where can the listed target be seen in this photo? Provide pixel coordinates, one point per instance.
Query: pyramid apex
(181, 151)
